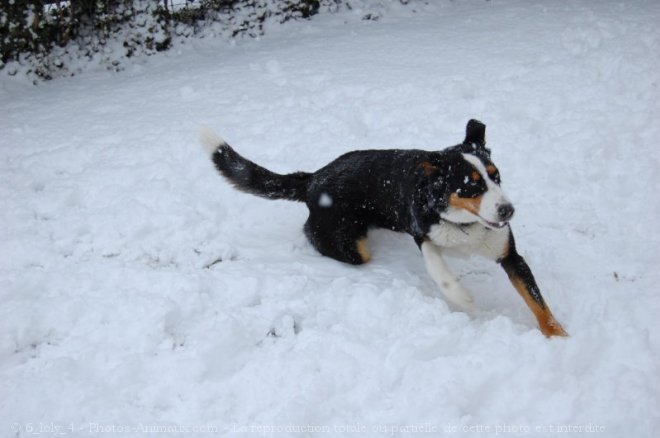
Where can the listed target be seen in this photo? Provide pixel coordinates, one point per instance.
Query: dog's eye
(473, 179)
(468, 192)
(472, 185)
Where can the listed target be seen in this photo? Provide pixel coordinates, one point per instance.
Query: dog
(448, 201)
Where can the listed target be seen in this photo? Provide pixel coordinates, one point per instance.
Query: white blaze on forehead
(476, 162)
(493, 197)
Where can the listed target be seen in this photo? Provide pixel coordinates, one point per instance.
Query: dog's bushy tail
(250, 177)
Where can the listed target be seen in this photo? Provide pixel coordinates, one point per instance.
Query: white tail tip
(210, 140)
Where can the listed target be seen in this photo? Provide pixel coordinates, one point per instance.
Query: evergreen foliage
(42, 38)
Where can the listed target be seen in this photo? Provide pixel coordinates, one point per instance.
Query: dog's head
(466, 182)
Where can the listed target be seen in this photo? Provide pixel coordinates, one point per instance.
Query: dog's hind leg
(335, 240)
(439, 271)
(343, 247)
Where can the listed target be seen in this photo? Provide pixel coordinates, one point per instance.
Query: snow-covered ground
(141, 293)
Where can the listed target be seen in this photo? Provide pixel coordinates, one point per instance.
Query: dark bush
(44, 37)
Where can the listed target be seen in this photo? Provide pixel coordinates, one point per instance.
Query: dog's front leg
(522, 279)
(440, 273)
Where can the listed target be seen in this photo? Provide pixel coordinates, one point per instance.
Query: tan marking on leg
(547, 322)
(470, 204)
(363, 250)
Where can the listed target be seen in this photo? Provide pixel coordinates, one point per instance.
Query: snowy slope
(140, 293)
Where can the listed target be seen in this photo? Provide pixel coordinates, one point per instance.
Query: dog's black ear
(475, 132)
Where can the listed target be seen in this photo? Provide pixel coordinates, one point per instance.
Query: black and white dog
(448, 200)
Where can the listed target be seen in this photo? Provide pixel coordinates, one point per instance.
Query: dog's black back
(401, 190)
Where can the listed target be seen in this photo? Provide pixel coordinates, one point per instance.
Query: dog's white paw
(457, 295)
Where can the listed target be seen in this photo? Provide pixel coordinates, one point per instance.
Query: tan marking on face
(363, 250)
(476, 176)
(429, 168)
(491, 169)
(470, 204)
(547, 323)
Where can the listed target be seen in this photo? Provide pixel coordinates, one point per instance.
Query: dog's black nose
(505, 211)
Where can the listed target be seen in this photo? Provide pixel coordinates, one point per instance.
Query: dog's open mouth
(496, 225)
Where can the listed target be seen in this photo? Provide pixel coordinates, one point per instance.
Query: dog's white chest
(472, 239)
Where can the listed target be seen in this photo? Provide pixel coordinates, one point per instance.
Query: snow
(141, 293)
(325, 200)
